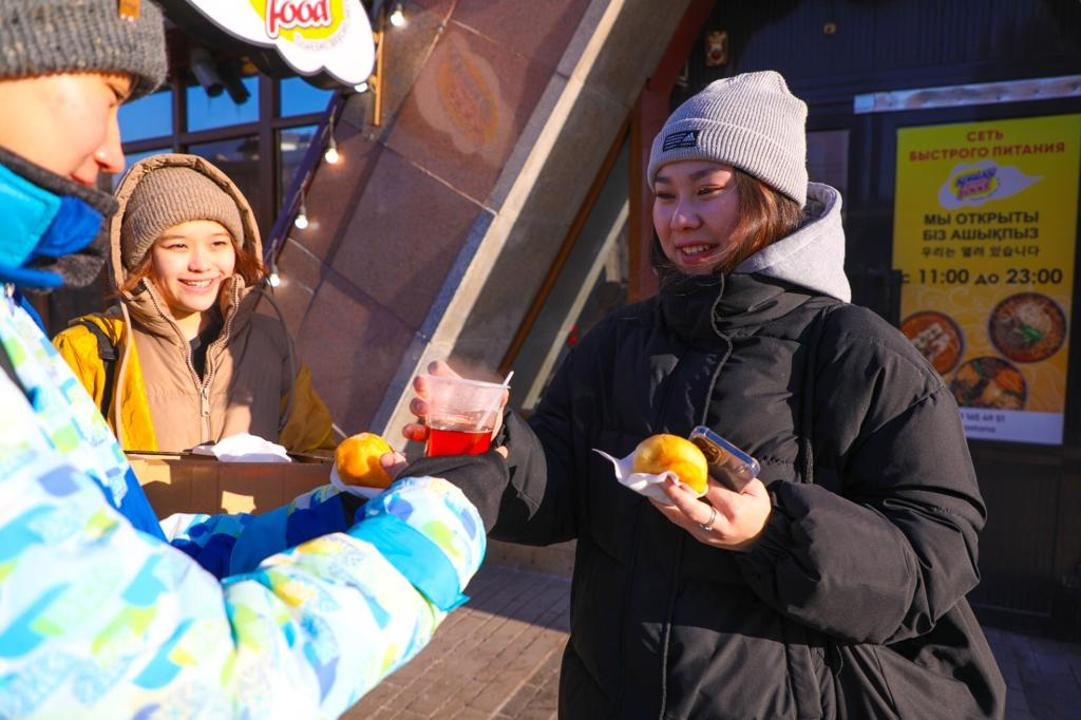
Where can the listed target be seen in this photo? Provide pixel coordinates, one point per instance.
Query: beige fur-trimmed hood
(251, 240)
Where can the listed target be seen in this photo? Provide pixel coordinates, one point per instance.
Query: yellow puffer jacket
(308, 428)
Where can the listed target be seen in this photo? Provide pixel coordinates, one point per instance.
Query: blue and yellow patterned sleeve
(98, 619)
(227, 544)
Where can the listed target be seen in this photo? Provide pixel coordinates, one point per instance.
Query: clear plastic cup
(461, 415)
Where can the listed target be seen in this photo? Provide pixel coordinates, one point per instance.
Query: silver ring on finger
(707, 526)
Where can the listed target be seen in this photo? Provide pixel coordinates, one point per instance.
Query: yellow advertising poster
(985, 226)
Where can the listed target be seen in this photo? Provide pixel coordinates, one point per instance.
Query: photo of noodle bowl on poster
(984, 235)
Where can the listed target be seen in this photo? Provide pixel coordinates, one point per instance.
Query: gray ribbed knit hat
(41, 37)
(170, 196)
(750, 121)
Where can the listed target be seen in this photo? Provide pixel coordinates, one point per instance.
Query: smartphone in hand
(727, 463)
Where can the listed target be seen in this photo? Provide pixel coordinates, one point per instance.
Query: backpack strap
(107, 353)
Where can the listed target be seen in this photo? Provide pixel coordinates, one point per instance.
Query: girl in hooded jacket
(834, 585)
(197, 356)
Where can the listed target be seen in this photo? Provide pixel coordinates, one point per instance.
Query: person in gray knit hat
(859, 533)
(747, 134)
(65, 67)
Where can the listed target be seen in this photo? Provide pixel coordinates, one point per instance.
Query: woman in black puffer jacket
(835, 586)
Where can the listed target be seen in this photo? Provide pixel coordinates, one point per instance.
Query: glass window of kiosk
(215, 108)
(300, 97)
(147, 117)
(292, 145)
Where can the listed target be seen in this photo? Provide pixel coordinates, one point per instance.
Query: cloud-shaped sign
(978, 183)
(311, 35)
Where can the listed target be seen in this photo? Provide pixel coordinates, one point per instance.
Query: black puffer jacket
(851, 604)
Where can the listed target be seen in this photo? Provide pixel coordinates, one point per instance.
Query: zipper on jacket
(677, 560)
(203, 385)
(211, 361)
(204, 410)
(656, 425)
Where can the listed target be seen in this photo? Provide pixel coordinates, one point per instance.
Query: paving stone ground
(497, 658)
(1043, 676)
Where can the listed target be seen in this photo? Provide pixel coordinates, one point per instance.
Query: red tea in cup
(448, 441)
(461, 415)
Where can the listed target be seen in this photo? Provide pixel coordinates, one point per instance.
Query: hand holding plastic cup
(461, 414)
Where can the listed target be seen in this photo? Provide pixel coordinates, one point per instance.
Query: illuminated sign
(310, 35)
(985, 228)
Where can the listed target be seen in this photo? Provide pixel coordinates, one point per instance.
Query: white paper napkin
(644, 483)
(244, 447)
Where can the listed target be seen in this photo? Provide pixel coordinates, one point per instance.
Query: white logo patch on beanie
(682, 139)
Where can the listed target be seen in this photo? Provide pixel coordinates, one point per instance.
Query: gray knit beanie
(749, 121)
(41, 37)
(170, 196)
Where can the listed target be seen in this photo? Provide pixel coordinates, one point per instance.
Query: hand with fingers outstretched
(418, 431)
(721, 518)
